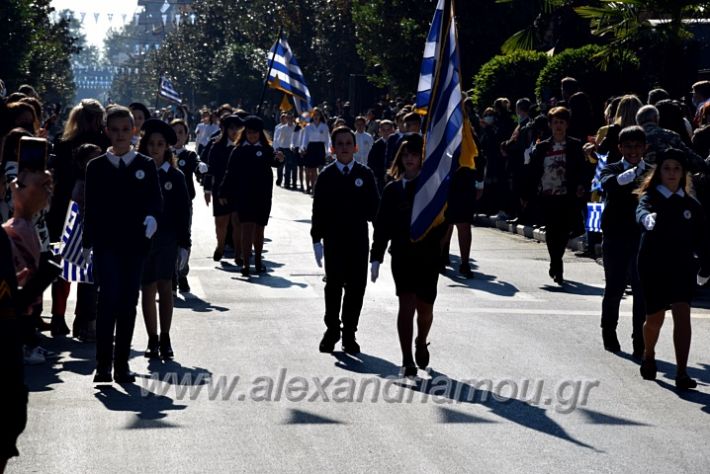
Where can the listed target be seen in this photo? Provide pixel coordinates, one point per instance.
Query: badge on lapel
(258, 153)
(168, 185)
(358, 182)
(181, 162)
(687, 214)
(140, 174)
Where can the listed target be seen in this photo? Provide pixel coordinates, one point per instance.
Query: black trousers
(558, 212)
(346, 271)
(619, 256)
(118, 276)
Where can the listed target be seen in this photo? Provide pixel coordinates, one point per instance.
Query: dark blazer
(187, 162)
(393, 224)
(217, 159)
(175, 218)
(117, 202)
(376, 160)
(574, 171)
(342, 205)
(619, 216)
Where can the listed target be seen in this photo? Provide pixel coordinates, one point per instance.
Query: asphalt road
(519, 381)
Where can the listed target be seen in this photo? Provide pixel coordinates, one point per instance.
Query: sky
(95, 32)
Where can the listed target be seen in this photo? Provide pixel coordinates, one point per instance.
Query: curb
(481, 220)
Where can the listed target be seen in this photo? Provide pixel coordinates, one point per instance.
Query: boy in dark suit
(622, 235)
(344, 200)
(123, 201)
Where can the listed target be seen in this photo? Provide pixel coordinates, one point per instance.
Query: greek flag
(449, 143)
(601, 163)
(168, 91)
(74, 267)
(594, 216)
(431, 53)
(285, 75)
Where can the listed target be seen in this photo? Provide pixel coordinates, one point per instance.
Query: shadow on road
(516, 411)
(575, 288)
(150, 409)
(198, 305)
(175, 373)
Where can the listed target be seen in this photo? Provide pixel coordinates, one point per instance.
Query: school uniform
(315, 139)
(217, 159)
(248, 182)
(173, 226)
(666, 263)
(188, 163)
(555, 172)
(415, 265)
(620, 243)
(376, 162)
(120, 193)
(345, 199)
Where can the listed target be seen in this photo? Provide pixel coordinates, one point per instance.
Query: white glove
(202, 167)
(183, 255)
(702, 280)
(641, 168)
(86, 256)
(649, 221)
(374, 271)
(151, 225)
(318, 251)
(627, 177)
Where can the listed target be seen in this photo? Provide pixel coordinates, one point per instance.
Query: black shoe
(409, 371)
(465, 271)
(217, 255)
(611, 342)
(245, 271)
(102, 376)
(239, 261)
(350, 346)
(559, 279)
(259, 267)
(421, 354)
(58, 327)
(327, 344)
(648, 369)
(152, 352)
(183, 285)
(123, 376)
(166, 349)
(685, 383)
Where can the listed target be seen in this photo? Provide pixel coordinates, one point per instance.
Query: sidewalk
(577, 244)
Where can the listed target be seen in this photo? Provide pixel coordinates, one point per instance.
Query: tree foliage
(35, 50)
(512, 75)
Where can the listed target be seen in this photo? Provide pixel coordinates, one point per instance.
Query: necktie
(121, 164)
(346, 171)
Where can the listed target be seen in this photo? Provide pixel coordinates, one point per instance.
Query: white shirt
(364, 143)
(283, 134)
(204, 131)
(127, 158)
(165, 166)
(315, 134)
(668, 193)
(296, 139)
(342, 166)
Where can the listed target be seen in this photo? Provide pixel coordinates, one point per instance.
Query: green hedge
(585, 64)
(511, 75)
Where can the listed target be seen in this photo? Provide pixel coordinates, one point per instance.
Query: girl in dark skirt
(247, 187)
(315, 142)
(674, 228)
(415, 265)
(171, 242)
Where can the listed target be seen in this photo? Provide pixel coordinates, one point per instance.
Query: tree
(37, 51)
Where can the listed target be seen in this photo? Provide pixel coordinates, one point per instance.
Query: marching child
(345, 199)
(172, 240)
(123, 203)
(674, 228)
(248, 185)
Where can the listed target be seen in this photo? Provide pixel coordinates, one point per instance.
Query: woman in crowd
(315, 144)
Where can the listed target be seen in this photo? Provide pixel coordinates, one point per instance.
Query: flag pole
(157, 93)
(268, 73)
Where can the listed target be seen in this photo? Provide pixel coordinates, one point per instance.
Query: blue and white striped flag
(168, 91)
(286, 76)
(449, 143)
(431, 53)
(594, 216)
(74, 266)
(601, 163)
